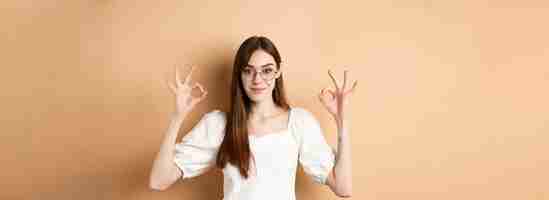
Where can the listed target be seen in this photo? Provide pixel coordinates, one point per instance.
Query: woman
(259, 142)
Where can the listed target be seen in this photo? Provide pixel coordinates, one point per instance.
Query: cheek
(244, 83)
(272, 85)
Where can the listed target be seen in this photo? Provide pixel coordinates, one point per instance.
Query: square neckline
(275, 133)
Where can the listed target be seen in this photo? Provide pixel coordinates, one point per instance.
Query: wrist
(178, 115)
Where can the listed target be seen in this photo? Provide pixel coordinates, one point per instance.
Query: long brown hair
(235, 147)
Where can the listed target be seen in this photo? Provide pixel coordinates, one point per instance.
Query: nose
(256, 78)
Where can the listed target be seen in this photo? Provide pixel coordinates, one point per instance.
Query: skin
(164, 171)
(336, 102)
(265, 117)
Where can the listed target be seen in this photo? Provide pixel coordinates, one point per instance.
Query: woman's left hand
(336, 100)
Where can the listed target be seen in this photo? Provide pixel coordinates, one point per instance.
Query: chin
(258, 97)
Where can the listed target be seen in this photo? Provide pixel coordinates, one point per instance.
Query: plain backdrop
(452, 101)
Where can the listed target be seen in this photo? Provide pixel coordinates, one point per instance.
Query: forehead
(260, 58)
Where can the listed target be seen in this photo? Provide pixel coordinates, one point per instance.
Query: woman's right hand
(185, 102)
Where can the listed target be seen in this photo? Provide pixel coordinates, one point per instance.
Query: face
(259, 76)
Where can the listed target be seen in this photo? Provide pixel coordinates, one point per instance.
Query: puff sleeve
(197, 150)
(315, 155)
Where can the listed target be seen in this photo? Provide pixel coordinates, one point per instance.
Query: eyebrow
(265, 65)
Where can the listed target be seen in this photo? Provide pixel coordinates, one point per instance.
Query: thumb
(322, 95)
(201, 98)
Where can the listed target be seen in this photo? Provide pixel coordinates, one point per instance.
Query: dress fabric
(276, 156)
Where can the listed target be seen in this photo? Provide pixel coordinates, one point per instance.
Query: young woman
(260, 141)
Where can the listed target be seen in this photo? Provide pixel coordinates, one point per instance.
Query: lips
(258, 90)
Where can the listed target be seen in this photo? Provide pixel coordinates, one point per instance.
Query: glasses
(267, 73)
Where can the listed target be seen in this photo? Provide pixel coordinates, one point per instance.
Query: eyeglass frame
(255, 72)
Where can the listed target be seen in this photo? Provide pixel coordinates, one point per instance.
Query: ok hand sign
(336, 100)
(185, 102)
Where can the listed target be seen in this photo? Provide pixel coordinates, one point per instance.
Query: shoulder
(214, 123)
(215, 117)
(303, 115)
(301, 112)
(215, 114)
(305, 123)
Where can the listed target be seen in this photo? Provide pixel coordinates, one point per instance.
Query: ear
(279, 73)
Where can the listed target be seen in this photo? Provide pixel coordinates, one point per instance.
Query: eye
(268, 70)
(246, 71)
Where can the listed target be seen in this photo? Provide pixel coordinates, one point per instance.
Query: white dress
(276, 156)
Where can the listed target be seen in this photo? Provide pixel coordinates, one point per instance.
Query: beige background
(452, 101)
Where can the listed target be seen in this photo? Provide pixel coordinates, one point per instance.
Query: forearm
(343, 171)
(164, 171)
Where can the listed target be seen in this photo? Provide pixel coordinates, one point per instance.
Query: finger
(344, 80)
(321, 95)
(201, 88)
(333, 78)
(170, 86)
(320, 98)
(199, 99)
(177, 80)
(188, 78)
(204, 95)
(330, 91)
(327, 92)
(325, 97)
(353, 88)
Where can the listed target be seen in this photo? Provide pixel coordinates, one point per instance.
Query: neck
(264, 109)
